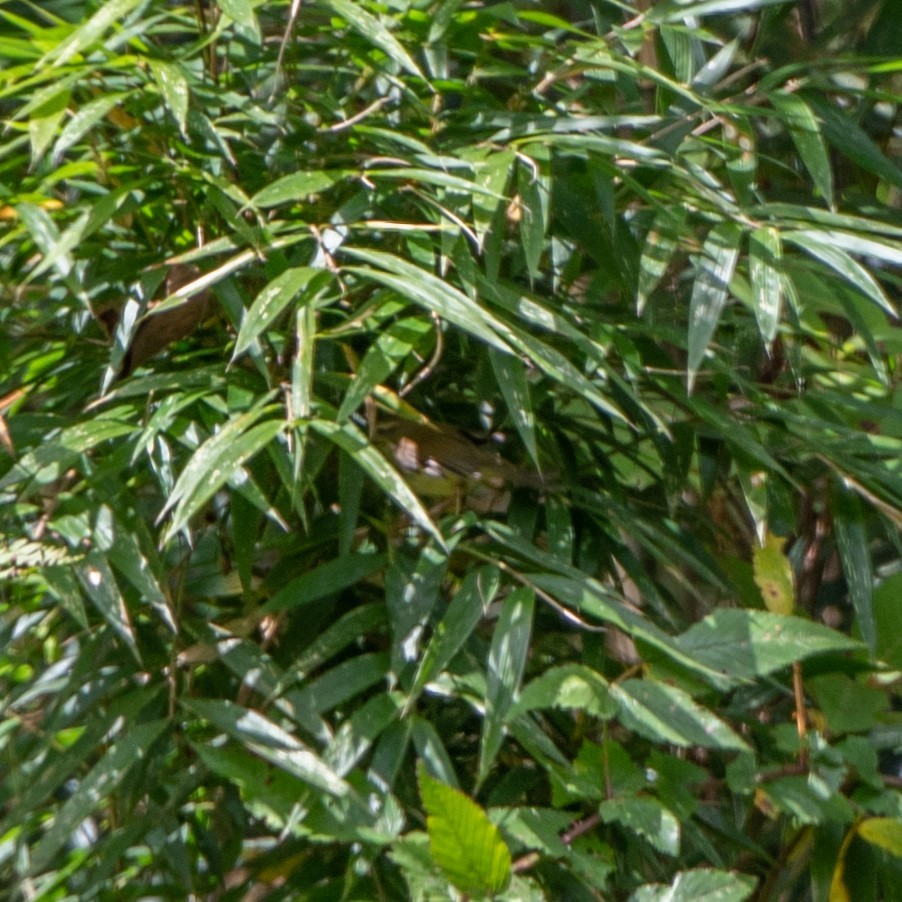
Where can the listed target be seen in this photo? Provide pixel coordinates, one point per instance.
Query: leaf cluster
(450, 450)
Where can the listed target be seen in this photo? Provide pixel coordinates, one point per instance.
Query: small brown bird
(443, 458)
(154, 333)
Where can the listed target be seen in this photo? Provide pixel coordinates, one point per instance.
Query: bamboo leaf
(507, 660)
(373, 30)
(765, 252)
(354, 443)
(715, 267)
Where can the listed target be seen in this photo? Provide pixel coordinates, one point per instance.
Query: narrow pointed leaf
(715, 267)
(507, 660)
(127, 751)
(274, 299)
(354, 443)
(373, 30)
(765, 252)
(510, 372)
(854, 551)
(465, 610)
(806, 134)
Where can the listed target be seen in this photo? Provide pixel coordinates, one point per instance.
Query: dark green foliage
(392, 399)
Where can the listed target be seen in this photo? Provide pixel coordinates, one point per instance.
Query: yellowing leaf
(773, 575)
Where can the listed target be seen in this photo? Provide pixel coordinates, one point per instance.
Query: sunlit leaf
(507, 660)
(716, 265)
(463, 842)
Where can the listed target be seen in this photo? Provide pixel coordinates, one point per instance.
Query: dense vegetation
(450, 449)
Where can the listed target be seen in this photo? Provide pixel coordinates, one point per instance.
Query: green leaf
(843, 133)
(855, 554)
(173, 87)
(44, 121)
(587, 598)
(820, 246)
(883, 832)
(126, 752)
(240, 11)
(261, 736)
(354, 443)
(773, 575)
(214, 463)
(668, 714)
(848, 705)
(274, 298)
(699, 885)
(84, 119)
(296, 187)
(661, 243)
(510, 372)
(569, 687)
(90, 32)
(432, 294)
(806, 134)
(374, 31)
(533, 188)
(680, 10)
(716, 265)
(646, 817)
(327, 579)
(755, 643)
(765, 252)
(465, 610)
(463, 842)
(390, 349)
(100, 586)
(507, 660)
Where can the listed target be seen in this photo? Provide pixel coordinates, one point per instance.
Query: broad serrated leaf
(748, 644)
(463, 842)
(668, 714)
(569, 687)
(699, 885)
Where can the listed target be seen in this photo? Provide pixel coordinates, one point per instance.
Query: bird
(156, 332)
(441, 460)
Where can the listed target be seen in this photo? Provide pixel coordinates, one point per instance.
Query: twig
(374, 107)
(428, 369)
